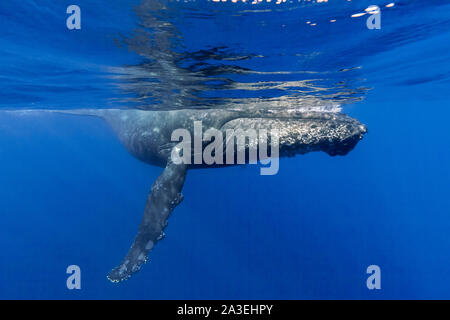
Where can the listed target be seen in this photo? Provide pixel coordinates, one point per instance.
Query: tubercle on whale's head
(351, 134)
(332, 133)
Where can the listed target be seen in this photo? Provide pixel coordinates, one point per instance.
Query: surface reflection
(170, 76)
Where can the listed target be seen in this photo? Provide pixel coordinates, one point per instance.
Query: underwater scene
(225, 149)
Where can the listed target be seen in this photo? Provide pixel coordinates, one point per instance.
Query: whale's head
(303, 132)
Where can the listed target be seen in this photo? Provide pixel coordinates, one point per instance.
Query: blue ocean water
(71, 194)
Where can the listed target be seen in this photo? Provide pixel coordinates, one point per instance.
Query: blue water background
(71, 194)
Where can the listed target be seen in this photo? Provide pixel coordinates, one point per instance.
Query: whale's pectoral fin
(164, 196)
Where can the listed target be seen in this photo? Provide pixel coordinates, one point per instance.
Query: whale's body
(147, 135)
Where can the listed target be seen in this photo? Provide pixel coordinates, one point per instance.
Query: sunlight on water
(208, 54)
(224, 75)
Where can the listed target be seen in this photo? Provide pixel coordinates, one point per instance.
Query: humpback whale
(168, 78)
(147, 136)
